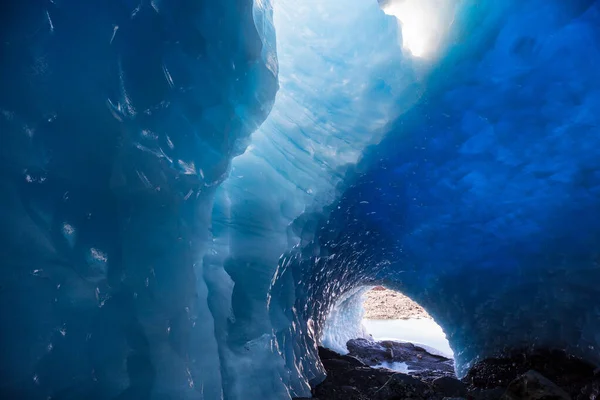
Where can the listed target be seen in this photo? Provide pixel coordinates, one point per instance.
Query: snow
(395, 366)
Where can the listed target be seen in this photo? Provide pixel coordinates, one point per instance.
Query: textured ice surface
(344, 321)
(482, 203)
(118, 119)
(338, 91)
(134, 266)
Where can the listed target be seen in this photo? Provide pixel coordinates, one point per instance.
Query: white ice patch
(98, 255)
(345, 321)
(395, 366)
(69, 233)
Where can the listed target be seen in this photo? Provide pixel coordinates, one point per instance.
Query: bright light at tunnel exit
(423, 23)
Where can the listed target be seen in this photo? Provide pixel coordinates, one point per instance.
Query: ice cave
(188, 188)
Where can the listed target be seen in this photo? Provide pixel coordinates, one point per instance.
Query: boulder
(450, 387)
(534, 386)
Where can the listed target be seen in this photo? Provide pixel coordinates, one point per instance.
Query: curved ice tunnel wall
(118, 120)
(344, 321)
(132, 267)
(482, 201)
(337, 93)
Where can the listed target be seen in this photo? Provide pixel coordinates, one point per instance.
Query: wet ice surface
(423, 332)
(394, 366)
(392, 355)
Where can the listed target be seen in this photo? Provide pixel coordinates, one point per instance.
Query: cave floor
(364, 374)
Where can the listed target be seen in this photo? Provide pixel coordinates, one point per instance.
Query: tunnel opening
(466, 181)
(375, 336)
(379, 343)
(391, 315)
(377, 314)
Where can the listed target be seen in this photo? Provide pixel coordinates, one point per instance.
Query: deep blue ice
(187, 188)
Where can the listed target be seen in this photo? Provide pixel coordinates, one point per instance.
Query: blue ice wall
(139, 261)
(338, 91)
(117, 121)
(483, 201)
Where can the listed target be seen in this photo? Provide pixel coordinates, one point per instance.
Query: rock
(333, 392)
(369, 352)
(422, 364)
(326, 354)
(486, 394)
(570, 373)
(534, 386)
(337, 365)
(349, 380)
(450, 387)
(557, 376)
(590, 391)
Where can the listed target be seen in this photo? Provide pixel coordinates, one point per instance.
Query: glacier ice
(118, 120)
(481, 203)
(345, 321)
(152, 248)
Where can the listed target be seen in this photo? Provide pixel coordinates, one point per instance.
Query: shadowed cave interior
(189, 187)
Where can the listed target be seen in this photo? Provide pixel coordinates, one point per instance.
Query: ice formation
(345, 321)
(140, 259)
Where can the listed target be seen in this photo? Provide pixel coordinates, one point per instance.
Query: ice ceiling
(453, 155)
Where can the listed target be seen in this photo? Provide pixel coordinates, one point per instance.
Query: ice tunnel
(188, 187)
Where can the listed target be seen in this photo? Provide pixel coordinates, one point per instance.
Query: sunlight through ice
(423, 22)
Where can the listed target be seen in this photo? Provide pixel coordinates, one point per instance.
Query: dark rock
(569, 373)
(421, 363)
(326, 354)
(346, 380)
(332, 392)
(369, 352)
(449, 386)
(338, 365)
(590, 391)
(486, 394)
(534, 386)
(432, 377)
